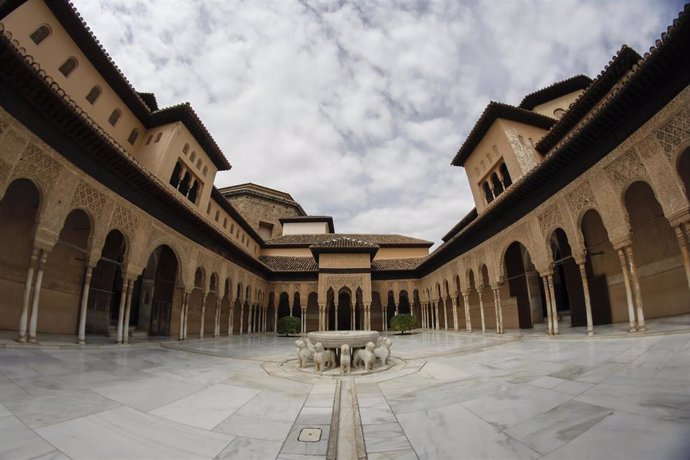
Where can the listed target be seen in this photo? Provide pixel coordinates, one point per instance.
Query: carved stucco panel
(674, 133)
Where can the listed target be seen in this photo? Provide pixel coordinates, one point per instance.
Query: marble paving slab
(623, 436)
(515, 403)
(127, 433)
(249, 448)
(451, 430)
(552, 429)
(255, 428)
(60, 406)
(149, 394)
(19, 442)
(208, 407)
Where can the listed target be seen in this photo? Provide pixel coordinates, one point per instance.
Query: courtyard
(449, 395)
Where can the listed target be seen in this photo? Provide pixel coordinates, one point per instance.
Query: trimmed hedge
(403, 323)
(289, 325)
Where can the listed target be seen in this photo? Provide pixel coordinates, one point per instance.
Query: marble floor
(452, 395)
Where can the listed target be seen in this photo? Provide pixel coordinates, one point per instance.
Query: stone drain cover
(309, 435)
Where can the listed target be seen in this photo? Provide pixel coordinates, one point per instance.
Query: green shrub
(403, 323)
(288, 325)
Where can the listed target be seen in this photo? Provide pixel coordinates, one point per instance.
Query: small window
(133, 136)
(232, 228)
(558, 113)
(205, 170)
(93, 94)
(68, 66)
(217, 215)
(198, 164)
(531, 142)
(521, 139)
(149, 139)
(114, 117)
(185, 149)
(208, 209)
(40, 34)
(193, 156)
(225, 222)
(158, 138)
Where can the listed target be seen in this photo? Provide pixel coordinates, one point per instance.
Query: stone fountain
(326, 349)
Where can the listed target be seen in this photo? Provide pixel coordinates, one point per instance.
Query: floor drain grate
(309, 435)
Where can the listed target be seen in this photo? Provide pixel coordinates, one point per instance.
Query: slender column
(628, 290)
(353, 316)
(683, 243)
(480, 291)
(121, 309)
(231, 320)
(128, 308)
(383, 318)
(547, 295)
(367, 315)
(500, 309)
(585, 288)
(454, 304)
(336, 317)
(437, 318)
(215, 317)
(445, 314)
(203, 315)
(24, 317)
(498, 322)
(554, 305)
(636, 288)
(33, 323)
(466, 302)
(275, 318)
(84, 303)
(423, 314)
(185, 297)
(242, 318)
(322, 307)
(186, 316)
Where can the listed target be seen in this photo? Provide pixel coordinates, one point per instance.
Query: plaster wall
(562, 102)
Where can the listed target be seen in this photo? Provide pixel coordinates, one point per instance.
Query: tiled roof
(344, 242)
(308, 264)
(396, 264)
(381, 240)
(558, 89)
(290, 264)
(492, 112)
(621, 63)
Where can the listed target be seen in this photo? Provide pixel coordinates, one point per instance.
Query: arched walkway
(528, 306)
(18, 212)
(105, 290)
(156, 293)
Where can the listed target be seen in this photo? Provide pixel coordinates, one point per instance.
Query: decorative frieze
(672, 134)
(36, 164)
(581, 198)
(85, 196)
(625, 169)
(550, 218)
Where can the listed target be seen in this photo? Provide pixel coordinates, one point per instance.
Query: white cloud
(356, 108)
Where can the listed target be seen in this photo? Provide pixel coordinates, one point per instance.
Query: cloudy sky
(356, 108)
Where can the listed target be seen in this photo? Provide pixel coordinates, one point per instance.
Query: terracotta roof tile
(397, 264)
(344, 242)
(381, 240)
(290, 264)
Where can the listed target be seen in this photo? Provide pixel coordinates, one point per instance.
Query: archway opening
(602, 264)
(656, 253)
(525, 287)
(344, 310)
(63, 277)
(18, 210)
(156, 293)
(283, 305)
(390, 308)
(570, 297)
(105, 290)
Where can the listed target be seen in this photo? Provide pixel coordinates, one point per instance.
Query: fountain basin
(336, 339)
